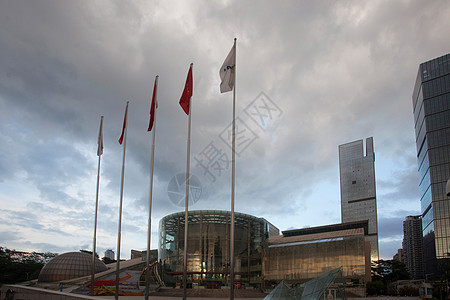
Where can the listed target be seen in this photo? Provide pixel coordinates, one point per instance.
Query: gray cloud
(339, 71)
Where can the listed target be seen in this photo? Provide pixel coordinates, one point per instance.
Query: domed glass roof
(70, 265)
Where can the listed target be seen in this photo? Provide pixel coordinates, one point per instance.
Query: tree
(108, 260)
(376, 287)
(89, 252)
(15, 272)
(385, 272)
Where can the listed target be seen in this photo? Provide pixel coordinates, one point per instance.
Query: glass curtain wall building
(303, 254)
(431, 108)
(208, 261)
(358, 190)
(262, 256)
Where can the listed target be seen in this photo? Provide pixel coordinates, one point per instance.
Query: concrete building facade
(358, 189)
(413, 246)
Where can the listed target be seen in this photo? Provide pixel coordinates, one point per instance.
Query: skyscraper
(358, 191)
(412, 246)
(431, 107)
(109, 254)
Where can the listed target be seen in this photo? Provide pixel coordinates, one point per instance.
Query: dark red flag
(185, 99)
(154, 106)
(124, 125)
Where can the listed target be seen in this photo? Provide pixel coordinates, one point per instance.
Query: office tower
(358, 192)
(412, 246)
(399, 255)
(431, 107)
(109, 254)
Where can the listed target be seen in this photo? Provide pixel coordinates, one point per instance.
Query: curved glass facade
(208, 257)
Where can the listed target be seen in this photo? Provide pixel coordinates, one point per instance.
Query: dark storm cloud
(392, 227)
(390, 231)
(402, 186)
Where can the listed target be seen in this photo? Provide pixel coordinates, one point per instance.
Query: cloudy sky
(330, 72)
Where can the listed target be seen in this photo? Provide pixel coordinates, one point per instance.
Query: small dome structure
(70, 265)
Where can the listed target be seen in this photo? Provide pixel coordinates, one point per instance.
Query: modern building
(413, 246)
(431, 107)
(263, 256)
(303, 254)
(110, 254)
(399, 255)
(358, 189)
(143, 254)
(208, 257)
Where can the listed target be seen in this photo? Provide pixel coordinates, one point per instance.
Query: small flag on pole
(187, 92)
(124, 125)
(100, 138)
(154, 106)
(227, 72)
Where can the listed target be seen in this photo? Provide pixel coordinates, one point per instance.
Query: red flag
(154, 106)
(124, 125)
(185, 99)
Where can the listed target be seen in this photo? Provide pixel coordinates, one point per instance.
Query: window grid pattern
(208, 257)
(301, 262)
(358, 190)
(431, 105)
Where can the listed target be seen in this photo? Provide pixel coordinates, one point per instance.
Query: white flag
(227, 72)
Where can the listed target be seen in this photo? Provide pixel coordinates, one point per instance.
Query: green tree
(90, 253)
(376, 287)
(383, 273)
(15, 272)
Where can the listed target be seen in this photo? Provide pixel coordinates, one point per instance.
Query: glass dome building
(70, 265)
(208, 257)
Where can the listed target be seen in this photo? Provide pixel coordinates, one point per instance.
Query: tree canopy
(385, 272)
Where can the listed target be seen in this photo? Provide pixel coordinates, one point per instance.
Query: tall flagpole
(187, 199)
(99, 153)
(233, 173)
(124, 135)
(149, 230)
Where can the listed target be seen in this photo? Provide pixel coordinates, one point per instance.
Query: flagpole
(233, 173)
(121, 202)
(187, 199)
(149, 230)
(99, 153)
